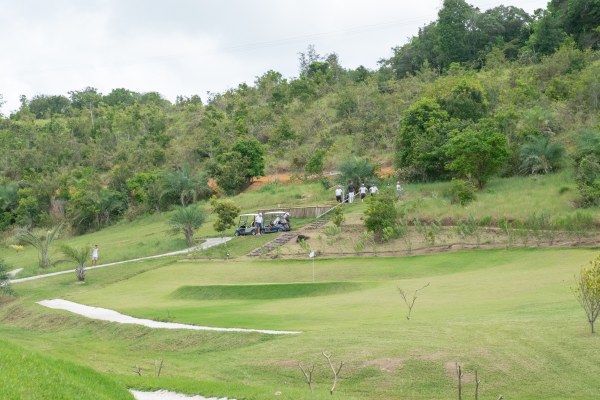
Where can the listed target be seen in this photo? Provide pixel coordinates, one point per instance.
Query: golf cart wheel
(237, 233)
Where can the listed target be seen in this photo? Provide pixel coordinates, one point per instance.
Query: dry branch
(335, 373)
(410, 303)
(308, 375)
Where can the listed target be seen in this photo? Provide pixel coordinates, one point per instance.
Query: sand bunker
(165, 395)
(104, 314)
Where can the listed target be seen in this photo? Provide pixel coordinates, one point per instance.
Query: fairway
(509, 314)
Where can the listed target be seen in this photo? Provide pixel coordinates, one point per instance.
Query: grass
(510, 314)
(516, 198)
(28, 375)
(151, 235)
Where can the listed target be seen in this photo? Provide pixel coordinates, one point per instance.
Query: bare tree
(477, 382)
(459, 375)
(158, 364)
(308, 373)
(410, 303)
(336, 373)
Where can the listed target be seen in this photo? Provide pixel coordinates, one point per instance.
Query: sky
(194, 47)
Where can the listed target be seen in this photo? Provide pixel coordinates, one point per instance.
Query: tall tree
(455, 27)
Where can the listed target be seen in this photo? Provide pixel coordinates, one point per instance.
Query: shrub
(338, 216)
(381, 213)
(461, 192)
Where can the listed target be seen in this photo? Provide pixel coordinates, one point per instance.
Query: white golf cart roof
(248, 215)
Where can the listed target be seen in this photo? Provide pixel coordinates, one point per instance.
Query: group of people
(280, 223)
(361, 192)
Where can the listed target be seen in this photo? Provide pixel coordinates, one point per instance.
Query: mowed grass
(509, 314)
(28, 375)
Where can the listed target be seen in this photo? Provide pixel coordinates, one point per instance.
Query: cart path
(166, 395)
(104, 314)
(210, 242)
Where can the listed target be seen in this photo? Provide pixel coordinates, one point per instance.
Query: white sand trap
(105, 314)
(165, 395)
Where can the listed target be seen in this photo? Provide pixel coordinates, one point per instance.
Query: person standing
(259, 222)
(398, 188)
(373, 189)
(95, 255)
(351, 191)
(339, 193)
(363, 192)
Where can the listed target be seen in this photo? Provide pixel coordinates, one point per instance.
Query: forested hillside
(471, 95)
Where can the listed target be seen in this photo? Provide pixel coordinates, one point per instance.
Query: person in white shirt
(398, 188)
(95, 255)
(259, 221)
(363, 192)
(373, 189)
(339, 193)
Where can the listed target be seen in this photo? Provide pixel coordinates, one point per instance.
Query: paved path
(105, 314)
(209, 243)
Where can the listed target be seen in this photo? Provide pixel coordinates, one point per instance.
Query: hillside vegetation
(472, 95)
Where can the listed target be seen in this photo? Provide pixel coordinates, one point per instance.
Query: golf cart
(246, 225)
(276, 221)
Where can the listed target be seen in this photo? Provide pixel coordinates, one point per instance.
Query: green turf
(28, 375)
(264, 292)
(510, 314)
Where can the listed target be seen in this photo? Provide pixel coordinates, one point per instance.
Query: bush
(461, 192)
(381, 213)
(338, 216)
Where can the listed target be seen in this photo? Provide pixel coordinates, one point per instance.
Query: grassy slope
(508, 314)
(27, 375)
(150, 235)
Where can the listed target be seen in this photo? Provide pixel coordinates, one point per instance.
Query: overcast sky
(186, 47)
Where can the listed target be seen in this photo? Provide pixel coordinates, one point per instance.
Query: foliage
(539, 156)
(381, 213)
(423, 132)
(187, 220)
(587, 291)
(184, 185)
(4, 279)
(337, 216)
(41, 243)
(316, 162)
(226, 212)
(356, 170)
(476, 154)
(79, 257)
(94, 157)
(461, 192)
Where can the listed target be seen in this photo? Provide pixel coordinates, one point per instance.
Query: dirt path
(209, 243)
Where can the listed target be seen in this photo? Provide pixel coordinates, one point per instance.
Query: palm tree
(185, 185)
(187, 219)
(539, 156)
(42, 244)
(79, 257)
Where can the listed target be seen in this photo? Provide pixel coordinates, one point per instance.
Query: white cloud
(191, 47)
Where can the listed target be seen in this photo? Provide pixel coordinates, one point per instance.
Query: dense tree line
(471, 95)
